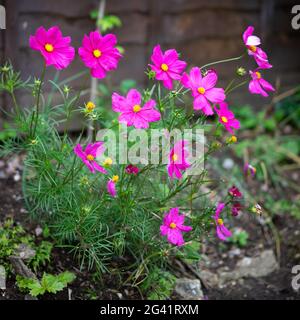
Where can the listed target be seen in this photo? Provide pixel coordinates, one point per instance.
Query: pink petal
(168, 83)
(134, 97)
(195, 77)
(170, 56)
(178, 67)
(120, 103)
(266, 85)
(157, 56)
(98, 167)
(111, 188)
(174, 236)
(210, 80)
(98, 72)
(215, 95)
(79, 152)
(164, 230)
(201, 102)
(247, 33)
(255, 88)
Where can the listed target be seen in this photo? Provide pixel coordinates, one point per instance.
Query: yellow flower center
(164, 67)
(174, 157)
(258, 74)
(49, 47)
(115, 179)
(252, 48)
(172, 225)
(220, 222)
(136, 108)
(224, 119)
(201, 90)
(97, 53)
(233, 139)
(107, 162)
(90, 106)
(90, 157)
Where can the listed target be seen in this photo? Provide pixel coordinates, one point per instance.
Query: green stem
(18, 112)
(222, 61)
(36, 113)
(237, 86)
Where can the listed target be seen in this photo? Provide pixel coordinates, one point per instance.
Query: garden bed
(276, 285)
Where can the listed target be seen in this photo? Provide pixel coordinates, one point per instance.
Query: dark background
(203, 31)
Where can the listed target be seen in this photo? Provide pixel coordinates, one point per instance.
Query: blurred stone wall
(203, 31)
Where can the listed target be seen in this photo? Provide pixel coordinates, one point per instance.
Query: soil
(276, 285)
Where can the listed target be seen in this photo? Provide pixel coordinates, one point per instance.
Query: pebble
(228, 163)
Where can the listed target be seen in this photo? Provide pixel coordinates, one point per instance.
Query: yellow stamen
(224, 119)
(107, 162)
(220, 222)
(172, 225)
(258, 74)
(49, 47)
(90, 157)
(164, 67)
(174, 157)
(233, 139)
(97, 53)
(90, 106)
(201, 90)
(115, 179)
(252, 48)
(136, 108)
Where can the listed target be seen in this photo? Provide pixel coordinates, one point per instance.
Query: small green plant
(48, 284)
(239, 237)
(42, 255)
(159, 284)
(12, 236)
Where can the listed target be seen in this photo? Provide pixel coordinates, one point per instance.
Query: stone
(25, 252)
(2, 278)
(189, 289)
(209, 278)
(255, 267)
(38, 231)
(228, 164)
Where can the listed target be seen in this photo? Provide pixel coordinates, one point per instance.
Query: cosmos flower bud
(241, 71)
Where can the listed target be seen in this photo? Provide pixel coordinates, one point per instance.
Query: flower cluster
(100, 54)
(257, 85)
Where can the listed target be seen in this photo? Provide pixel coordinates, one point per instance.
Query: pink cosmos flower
(222, 232)
(252, 42)
(167, 66)
(99, 53)
(173, 227)
(55, 48)
(132, 113)
(111, 186)
(249, 170)
(88, 156)
(177, 159)
(236, 208)
(235, 192)
(130, 169)
(258, 85)
(226, 117)
(203, 89)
